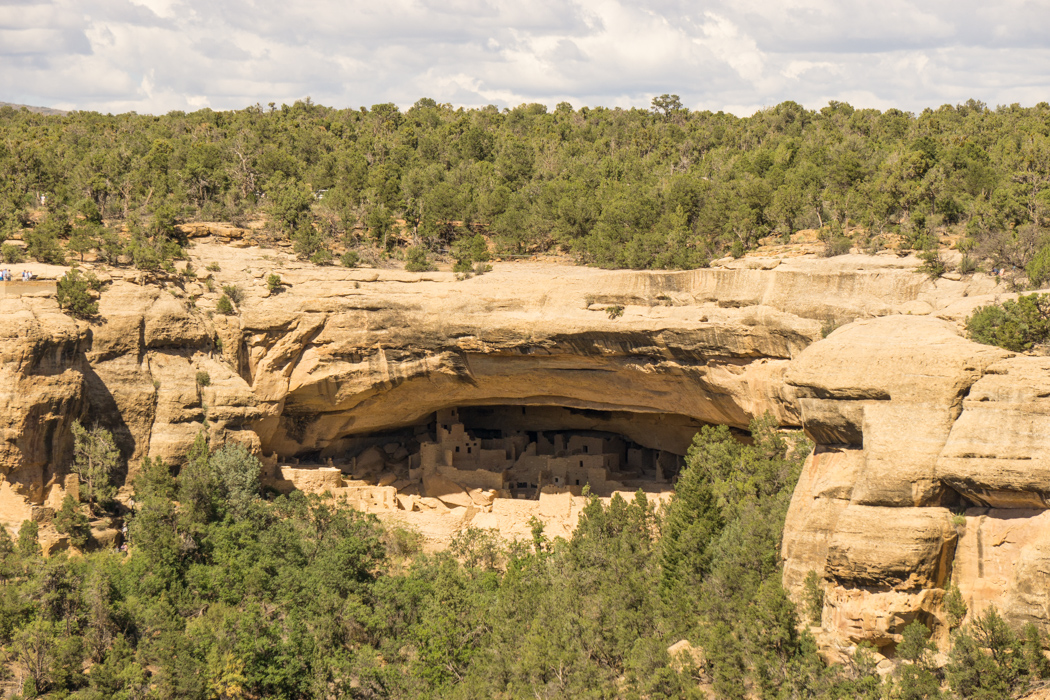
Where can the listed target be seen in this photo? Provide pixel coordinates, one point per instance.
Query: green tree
(152, 525)
(667, 104)
(34, 647)
(236, 473)
(83, 239)
(198, 490)
(289, 206)
(70, 521)
(1014, 325)
(11, 253)
(988, 660)
(28, 544)
(42, 242)
(309, 241)
(692, 522)
(469, 250)
(96, 460)
(915, 680)
(416, 260)
(73, 293)
(1038, 269)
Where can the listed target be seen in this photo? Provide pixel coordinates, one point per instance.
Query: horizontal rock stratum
(932, 453)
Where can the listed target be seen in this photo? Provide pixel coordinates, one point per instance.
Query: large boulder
(900, 548)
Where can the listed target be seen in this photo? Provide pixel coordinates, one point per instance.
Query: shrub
(1013, 325)
(836, 245)
(212, 267)
(988, 660)
(73, 296)
(469, 250)
(70, 521)
(309, 241)
(614, 312)
(322, 257)
(349, 259)
(1039, 268)
(916, 679)
(273, 283)
(224, 305)
(89, 210)
(236, 473)
(163, 223)
(416, 259)
(828, 327)
(151, 250)
(11, 253)
(109, 246)
(954, 606)
(203, 379)
(83, 239)
(233, 292)
(932, 263)
(402, 541)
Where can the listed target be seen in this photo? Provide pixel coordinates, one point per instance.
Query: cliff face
(341, 353)
(930, 449)
(931, 469)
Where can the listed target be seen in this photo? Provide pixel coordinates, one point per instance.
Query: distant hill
(38, 110)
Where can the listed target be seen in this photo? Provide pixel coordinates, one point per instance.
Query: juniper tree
(95, 461)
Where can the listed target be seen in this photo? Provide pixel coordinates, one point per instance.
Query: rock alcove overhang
(333, 397)
(671, 433)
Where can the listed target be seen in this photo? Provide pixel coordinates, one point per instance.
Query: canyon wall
(931, 450)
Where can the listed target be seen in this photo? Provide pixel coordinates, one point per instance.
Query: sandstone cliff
(931, 450)
(930, 469)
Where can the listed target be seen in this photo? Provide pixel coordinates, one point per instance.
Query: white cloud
(728, 44)
(739, 55)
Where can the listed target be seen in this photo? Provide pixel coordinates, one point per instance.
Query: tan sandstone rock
(1003, 559)
(901, 548)
(998, 453)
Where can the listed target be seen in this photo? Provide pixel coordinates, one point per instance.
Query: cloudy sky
(153, 56)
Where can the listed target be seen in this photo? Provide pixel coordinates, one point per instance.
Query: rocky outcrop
(998, 452)
(930, 470)
(42, 389)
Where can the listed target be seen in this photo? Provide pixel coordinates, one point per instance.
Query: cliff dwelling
(475, 456)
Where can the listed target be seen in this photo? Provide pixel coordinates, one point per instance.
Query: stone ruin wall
(465, 480)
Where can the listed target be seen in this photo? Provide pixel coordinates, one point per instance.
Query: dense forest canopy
(659, 188)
